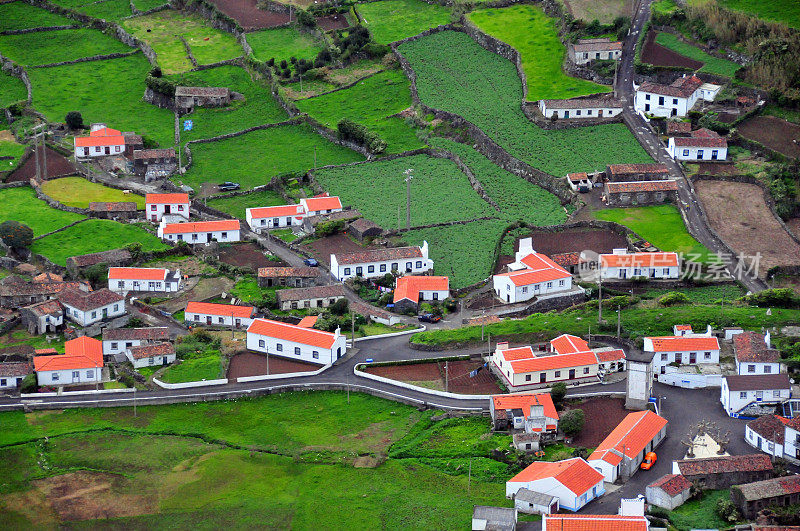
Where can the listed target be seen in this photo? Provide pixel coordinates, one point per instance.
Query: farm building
(636, 172)
(594, 522)
(86, 308)
(274, 217)
(113, 257)
(701, 145)
(621, 453)
(767, 433)
(223, 231)
(42, 317)
(750, 498)
(750, 394)
(588, 50)
(755, 355)
(101, 142)
(16, 292)
(682, 350)
(488, 518)
(374, 314)
(676, 99)
(579, 182)
(724, 471)
(186, 98)
(154, 163)
(310, 297)
(292, 341)
(669, 491)
(125, 279)
(581, 108)
(213, 314)
(113, 210)
(362, 228)
(530, 412)
(116, 341)
(320, 205)
(531, 275)
(150, 355)
(637, 193)
(410, 290)
(572, 481)
(621, 265)
(298, 277)
(81, 362)
(531, 502)
(371, 263)
(158, 205)
(13, 372)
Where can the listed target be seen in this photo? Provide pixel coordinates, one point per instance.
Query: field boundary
(411, 387)
(10, 67)
(262, 377)
(103, 57)
(344, 87)
(38, 29)
(188, 385)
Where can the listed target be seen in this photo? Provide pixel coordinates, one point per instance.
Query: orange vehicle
(649, 460)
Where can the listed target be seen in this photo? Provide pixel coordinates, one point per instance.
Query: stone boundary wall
(88, 59)
(62, 228)
(53, 203)
(546, 305)
(39, 29)
(275, 7)
(395, 232)
(345, 87)
(10, 67)
(238, 61)
(189, 53)
(15, 184)
(158, 99)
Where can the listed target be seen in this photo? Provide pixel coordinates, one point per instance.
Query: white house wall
(696, 153)
(202, 237)
(663, 359)
(664, 106)
(414, 266)
(259, 343)
(155, 211)
(217, 320)
(583, 112)
(791, 445)
(735, 401)
(581, 58)
(122, 286)
(95, 316)
(259, 224)
(84, 152)
(743, 367)
(660, 273)
(757, 441)
(510, 294)
(116, 347)
(67, 376)
(153, 361)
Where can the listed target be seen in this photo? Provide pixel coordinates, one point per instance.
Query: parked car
(228, 186)
(649, 460)
(429, 318)
(310, 262)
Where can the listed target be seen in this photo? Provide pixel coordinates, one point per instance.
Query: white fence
(425, 390)
(259, 378)
(74, 393)
(691, 381)
(187, 385)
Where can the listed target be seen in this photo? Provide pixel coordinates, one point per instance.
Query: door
(600, 113)
(238, 323)
(164, 360)
(508, 298)
(105, 313)
(359, 271)
(566, 114)
(542, 377)
(571, 374)
(108, 150)
(166, 209)
(76, 376)
(646, 107)
(693, 357)
(209, 237)
(208, 319)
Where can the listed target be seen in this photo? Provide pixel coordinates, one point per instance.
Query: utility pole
(315, 146)
(590, 336)
(44, 151)
(178, 139)
(469, 478)
(348, 388)
(446, 376)
(489, 344)
(619, 321)
(600, 304)
(36, 157)
(352, 330)
(409, 173)
(232, 336)
(134, 399)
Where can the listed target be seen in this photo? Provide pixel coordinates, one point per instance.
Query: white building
(588, 50)
(572, 481)
(274, 217)
(621, 453)
(223, 231)
(410, 290)
(81, 362)
(223, 315)
(755, 355)
(371, 263)
(767, 433)
(321, 204)
(532, 274)
(791, 444)
(101, 142)
(486, 518)
(690, 349)
(531, 412)
(296, 342)
(676, 99)
(698, 148)
(603, 106)
(125, 279)
(87, 308)
(13, 372)
(157, 205)
(117, 340)
(151, 355)
(621, 265)
(669, 491)
(758, 390)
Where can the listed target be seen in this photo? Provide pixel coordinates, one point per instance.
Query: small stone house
(298, 277)
(488, 518)
(42, 317)
(750, 498)
(311, 297)
(151, 355)
(12, 373)
(364, 228)
(532, 502)
(16, 292)
(154, 163)
(114, 257)
(636, 172)
(725, 471)
(588, 50)
(588, 107)
(186, 98)
(113, 210)
(638, 193)
(669, 491)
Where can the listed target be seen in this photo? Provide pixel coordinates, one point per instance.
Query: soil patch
(6, 136)
(57, 166)
(717, 168)
(338, 243)
(205, 288)
(92, 495)
(433, 374)
(778, 135)
(247, 255)
(333, 22)
(727, 117)
(191, 266)
(254, 364)
(602, 416)
(739, 214)
(657, 55)
(247, 14)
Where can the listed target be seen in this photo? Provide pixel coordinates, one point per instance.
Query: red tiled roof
(703, 142)
(683, 328)
(81, 353)
(630, 437)
(282, 272)
(408, 287)
(684, 343)
(315, 204)
(518, 353)
(595, 522)
(567, 259)
(705, 133)
(751, 347)
(597, 46)
(577, 177)
(104, 131)
(539, 268)
(288, 332)
(223, 310)
(275, 211)
(610, 355)
(201, 226)
(770, 427)
(308, 321)
(47, 277)
(524, 402)
(575, 474)
(148, 351)
(147, 334)
(568, 344)
(639, 260)
(725, 464)
(672, 484)
(166, 199)
(137, 273)
(770, 488)
(793, 423)
(101, 137)
(45, 351)
(86, 346)
(642, 186)
(556, 361)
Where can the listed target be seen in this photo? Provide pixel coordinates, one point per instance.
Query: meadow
(604, 11)
(108, 91)
(378, 190)
(56, 46)
(393, 20)
(237, 206)
(107, 10)
(79, 192)
(713, 65)
(10, 148)
(11, 90)
(371, 102)
(93, 236)
(19, 15)
(147, 5)
(21, 204)
(455, 74)
(535, 36)
(254, 158)
(282, 43)
(194, 370)
(661, 225)
(785, 11)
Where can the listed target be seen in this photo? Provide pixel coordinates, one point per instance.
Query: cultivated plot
(11, 90)
(282, 43)
(21, 204)
(393, 20)
(19, 15)
(711, 64)
(107, 9)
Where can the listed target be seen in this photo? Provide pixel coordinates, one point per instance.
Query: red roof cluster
(725, 464)
(575, 474)
(408, 287)
(317, 204)
(201, 226)
(222, 310)
(630, 437)
(642, 186)
(104, 136)
(538, 268)
(137, 273)
(672, 484)
(770, 427)
(81, 353)
(684, 343)
(752, 347)
(276, 211)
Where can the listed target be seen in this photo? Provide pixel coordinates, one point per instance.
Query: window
(549, 284)
(661, 100)
(589, 112)
(151, 361)
(700, 154)
(674, 101)
(129, 345)
(261, 343)
(55, 376)
(508, 287)
(194, 236)
(419, 264)
(221, 320)
(664, 356)
(315, 354)
(527, 377)
(751, 368)
(395, 267)
(371, 269)
(224, 235)
(558, 374)
(685, 152)
(113, 346)
(152, 207)
(383, 268)
(743, 394)
(408, 266)
(180, 208)
(767, 369)
(294, 305)
(279, 347)
(94, 314)
(297, 351)
(346, 270)
(560, 282)
(196, 317)
(97, 150)
(759, 395)
(121, 284)
(435, 296)
(578, 112)
(665, 271)
(776, 393)
(647, 97)
(3, 382)
(586, 370)
(707, 356)
(116, 148)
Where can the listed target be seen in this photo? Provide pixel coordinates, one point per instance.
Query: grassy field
(55, 46)
(534, 35)
(107, 91)
(699, 514)
(78, 192)
(10, 148)
(377, 190)
(253, 159)
(147, 5)
(161, 30)
(107, 10)
(790, 115)
(194, 370)
(702, 294)
(456, 74)
(785, 11)
(11, 90)
(237, 206)
(282, 43)
(257, 108)
(604, 11)
(371, 102)
(21, 204)
(393, 20)
(93, 236)
(19, 15)
(661, 225)
(713, 65)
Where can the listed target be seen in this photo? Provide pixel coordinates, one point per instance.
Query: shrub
(375, 50)
(572, 421)
(155, 71)
(360, 134)
(16, 235)
(306, 19)
(339, 307)
(161, 85)
(74, 120)
(96, 273)
(778, 297)
(558, 392)
(284, 64)
(329, 228)
(672, 298)
(726, 510)
(29, 384)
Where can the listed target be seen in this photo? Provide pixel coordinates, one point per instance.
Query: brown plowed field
(776, 134)
(333, 22)
(432, 375)
(57, 166)
(602, 416)
(247, 14)
(716, 168)
(657, 55)
(253, 364)
(338, 243)
(739, 214)
(246, 255)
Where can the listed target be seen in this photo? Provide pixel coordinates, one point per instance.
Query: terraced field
(19, 15)
(11, 89)
(21, 204)
(393, 20)
(58, 46)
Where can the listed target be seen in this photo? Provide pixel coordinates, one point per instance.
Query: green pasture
(10, 148)
(783, 11)
(147, 5)
(393, 20)
(237, 206)
(713, 65)
(47, 47)
(194, 370)
(113, 10)
(11, 90)
(21, 204)
(19, 15)
(283, 43)
(78, 192)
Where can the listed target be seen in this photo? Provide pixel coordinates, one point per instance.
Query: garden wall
(12, 68)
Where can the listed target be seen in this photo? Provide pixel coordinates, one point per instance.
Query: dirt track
(657, 55)
(776, 134)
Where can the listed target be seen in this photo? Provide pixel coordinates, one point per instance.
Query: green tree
(74, 120)
(558, 392)
(29, 384)
(340, 307)
(572, 422)
(16, 235)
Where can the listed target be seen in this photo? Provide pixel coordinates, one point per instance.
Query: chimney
(502, 346)
(525, 247)
(768, 339)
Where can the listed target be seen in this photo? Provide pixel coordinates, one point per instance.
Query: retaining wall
(10, 67)
(266, 377)
(40, 29)
(411, 387)
(88, 59)
(189, 385)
